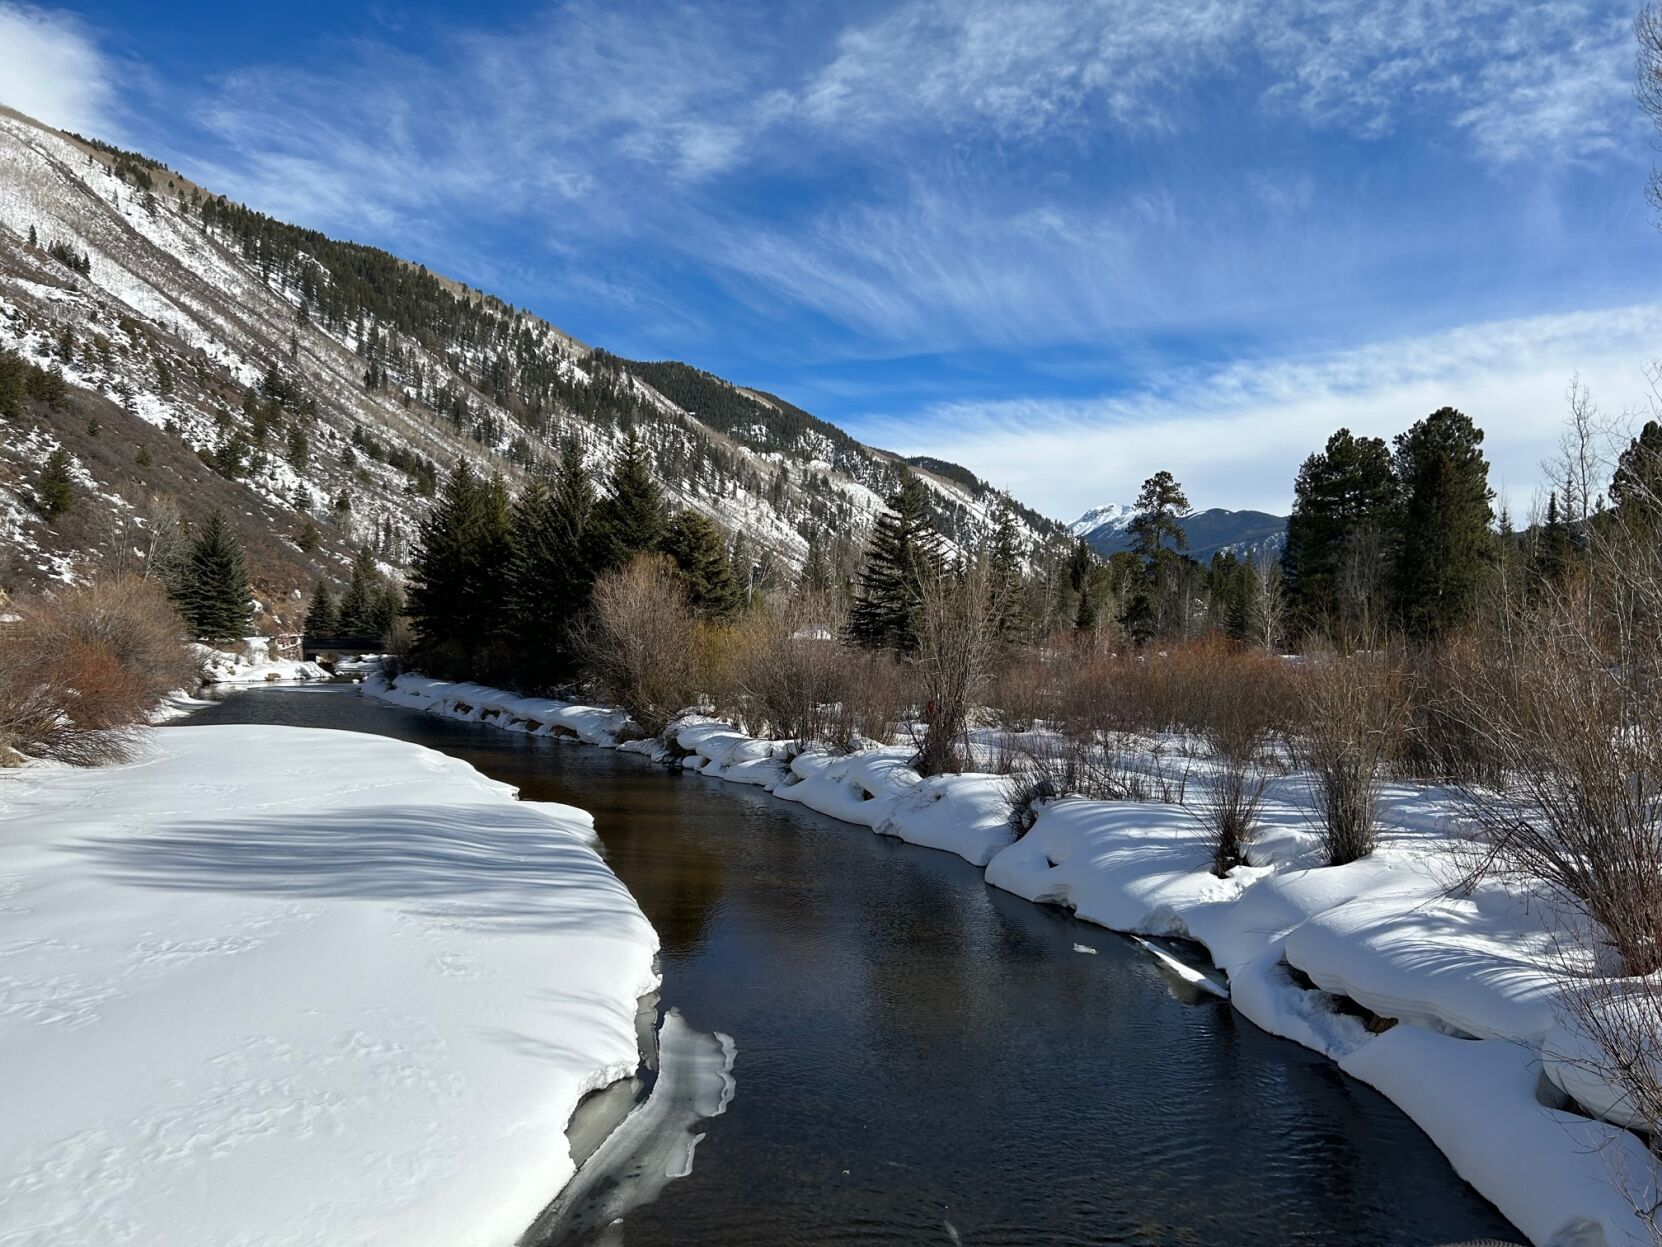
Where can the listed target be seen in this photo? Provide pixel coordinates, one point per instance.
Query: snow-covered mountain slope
(331, 382)
(1107, 530)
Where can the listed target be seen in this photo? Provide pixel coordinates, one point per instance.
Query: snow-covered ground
(266, 985)
(1471, 977)
(253, 665)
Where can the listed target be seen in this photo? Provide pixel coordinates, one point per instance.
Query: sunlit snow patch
(1184, 970)
(652, 1146)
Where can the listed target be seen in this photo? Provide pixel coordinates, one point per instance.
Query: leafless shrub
(957, 639)
(1579, 741)
(790, 673)
(1237, 727)
(637, 642)
(1356, 716)
(82, 666)
(873, 695)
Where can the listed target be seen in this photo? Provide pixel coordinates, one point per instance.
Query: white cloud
(1236, 436)
(51, 68)
(1536, 79)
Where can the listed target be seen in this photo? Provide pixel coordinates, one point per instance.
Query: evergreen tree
(213, 589)
(307, 541)
(632, 516)
(1084, 619)
(458, 575)
(56, 490)
(1445, 539)
(549, 576)
(1637, 485)
(1160, 504)
(321, 617)
(299, 450)
(1554, 547)
(1004, 575)
(357, 604)
(815, 576)
(1344, 507)
(905, 550)
(385, 609)
(741, 566)
(700, 551)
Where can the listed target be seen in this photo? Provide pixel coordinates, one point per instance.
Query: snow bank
(278, 985)
(254, 667)
(1460, 980)
(476, 703)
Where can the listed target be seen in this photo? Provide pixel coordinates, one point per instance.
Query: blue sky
(1066, 243)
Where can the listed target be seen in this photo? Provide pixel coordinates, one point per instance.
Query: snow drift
(279, 985)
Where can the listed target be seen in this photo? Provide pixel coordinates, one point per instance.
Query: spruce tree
(1636, 487)
(905, 550)
(1345, 501)
(458, 575)
(700, 552)
(815, 576)
(1004, 575)
(357, 604)
(1445, 538)
(56, 490)
(549, 577)
(213, 588)
(631, 518)
(1160, 504)
(321, 616)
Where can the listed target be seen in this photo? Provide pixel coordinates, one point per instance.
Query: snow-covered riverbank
(280, 985)
(1467, 977)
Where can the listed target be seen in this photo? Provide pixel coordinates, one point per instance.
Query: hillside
(1106, 529)
(217, 358)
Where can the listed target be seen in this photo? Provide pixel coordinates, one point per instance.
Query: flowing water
(924, 1059)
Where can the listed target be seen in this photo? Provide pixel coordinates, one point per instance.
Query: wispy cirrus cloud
(53, 68)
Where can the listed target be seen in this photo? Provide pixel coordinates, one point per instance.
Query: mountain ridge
(1107, 530)
(332, 382)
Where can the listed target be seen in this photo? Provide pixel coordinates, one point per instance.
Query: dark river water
(925, 1059)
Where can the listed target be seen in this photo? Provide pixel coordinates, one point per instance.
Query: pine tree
(1004, 575)
(357, 604)
(1160, 504)
(321, 617)
(458, 575)
(56, 490)
(1345, 503)
(213, 588)
(549, 577)
(905, 550)
(299, 451)
(631, 518)
(815, 576)
(1445, 538)
(700, 551)
(1636, 487)
(307, 541)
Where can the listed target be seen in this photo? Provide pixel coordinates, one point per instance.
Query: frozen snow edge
(273, 984)
(1461, 974)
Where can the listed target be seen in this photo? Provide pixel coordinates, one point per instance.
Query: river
(924, 1059)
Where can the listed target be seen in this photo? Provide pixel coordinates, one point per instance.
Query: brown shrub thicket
(639, 643)
(81, 666)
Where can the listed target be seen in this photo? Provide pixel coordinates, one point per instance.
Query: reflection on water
(929, 1060)
(654, 1144)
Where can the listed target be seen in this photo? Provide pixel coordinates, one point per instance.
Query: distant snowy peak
(1107, 530)
(1113, 516)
